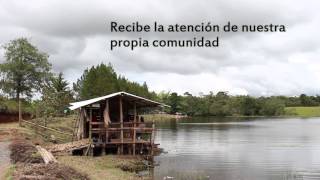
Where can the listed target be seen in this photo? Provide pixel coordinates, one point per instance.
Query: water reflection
(239, 149)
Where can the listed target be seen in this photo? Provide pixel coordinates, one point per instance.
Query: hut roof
(131, 97)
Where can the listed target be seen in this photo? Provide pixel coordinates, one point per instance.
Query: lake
(243, 149)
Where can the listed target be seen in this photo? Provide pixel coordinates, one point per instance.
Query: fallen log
(68, 147)
(46, 155)
(35, 177)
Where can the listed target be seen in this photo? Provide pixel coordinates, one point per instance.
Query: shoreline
(160, 117)
(115, 167)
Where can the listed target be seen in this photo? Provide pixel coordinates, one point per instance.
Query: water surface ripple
(224, 149)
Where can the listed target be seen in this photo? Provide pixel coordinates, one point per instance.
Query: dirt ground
(6, 117)
(30, 165)
(7, 132)
(4, 158)
(53, 171)
(22, 151)
(17, 148)
(19, 160)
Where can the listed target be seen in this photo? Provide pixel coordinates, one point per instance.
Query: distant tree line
(222, 104)
(26, 74)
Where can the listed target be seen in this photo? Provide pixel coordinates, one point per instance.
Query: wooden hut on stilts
(112, 124)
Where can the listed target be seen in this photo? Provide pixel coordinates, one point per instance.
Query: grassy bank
(62, 124)
(158, 117)
(103, 167)
(9, 131)
(9, 172)
(303, 111)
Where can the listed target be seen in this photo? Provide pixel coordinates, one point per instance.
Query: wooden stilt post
(152, 137)
(134, 129)
(121, 124)
(90, 130)
(107, 132)
(90, 126)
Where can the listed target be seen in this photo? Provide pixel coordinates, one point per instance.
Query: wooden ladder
(75, 128)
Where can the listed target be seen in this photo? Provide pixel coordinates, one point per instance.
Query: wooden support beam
(131, 123)
(90, 132)
(129, 128)
(134, 128)
(108, 125)
(90, 127)
(152, 137)
(87, 152)
(130, 142)
(121, 124)
(97, 123)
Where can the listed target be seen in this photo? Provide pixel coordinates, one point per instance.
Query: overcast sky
(76, 35)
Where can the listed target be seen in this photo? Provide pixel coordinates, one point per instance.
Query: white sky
(75, 34)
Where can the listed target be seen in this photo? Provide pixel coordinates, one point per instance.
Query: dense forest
(102, 79)
(26, 76)
(222, 104)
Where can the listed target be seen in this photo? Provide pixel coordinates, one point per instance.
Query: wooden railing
(118, 129)
(47, 132)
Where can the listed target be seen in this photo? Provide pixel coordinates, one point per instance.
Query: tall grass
(303, 111)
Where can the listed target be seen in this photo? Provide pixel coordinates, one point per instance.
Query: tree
(174, 102)
(163, 96)
(189, 104)
(249, 106)
(220, 106)
(273, 107)
(24, 70)
(97, 81)
(56, 95)
(308, 100)
(304, 100)
(102, 79)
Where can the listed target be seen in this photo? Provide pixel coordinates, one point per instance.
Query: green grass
(9, 173)
(158, 117)
(102, 167)
(62, 124)
(303, 111)
(9, 131)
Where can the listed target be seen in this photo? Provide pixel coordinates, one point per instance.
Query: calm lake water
(243, 149)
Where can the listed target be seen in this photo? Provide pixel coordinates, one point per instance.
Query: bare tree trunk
(19, 109)
(20, 113)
